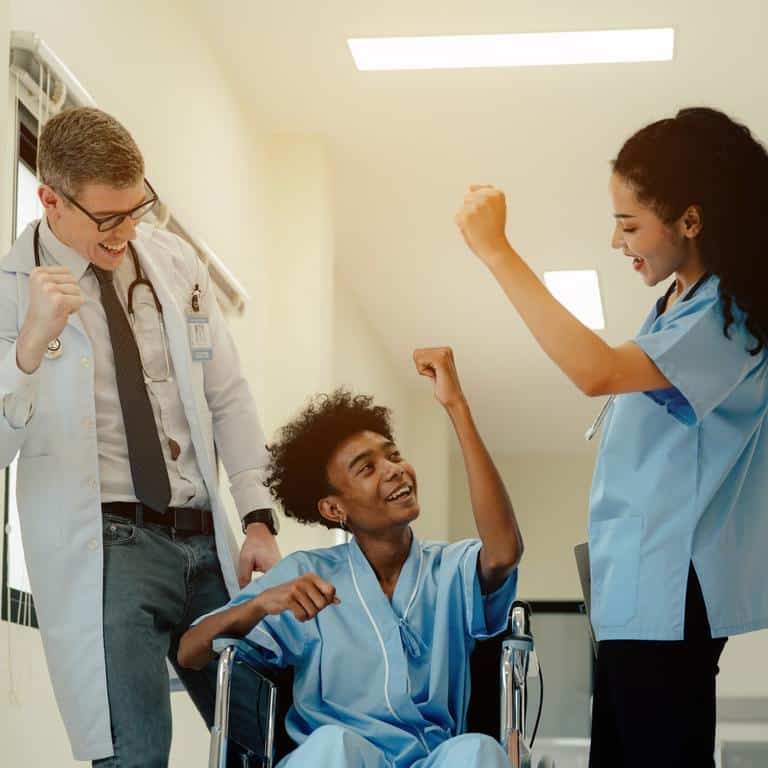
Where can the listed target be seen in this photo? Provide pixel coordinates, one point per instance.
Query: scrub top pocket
(615, 557)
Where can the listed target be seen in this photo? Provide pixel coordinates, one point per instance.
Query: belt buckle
(187, 520)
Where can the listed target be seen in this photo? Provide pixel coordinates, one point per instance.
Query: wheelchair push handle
(515, 658)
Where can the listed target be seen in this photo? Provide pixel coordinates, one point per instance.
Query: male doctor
(120, 385)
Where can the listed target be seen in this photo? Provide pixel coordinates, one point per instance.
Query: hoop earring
(343, 525)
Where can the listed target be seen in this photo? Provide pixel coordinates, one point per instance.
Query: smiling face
(657, 249)
(74, 229)
(376, 487)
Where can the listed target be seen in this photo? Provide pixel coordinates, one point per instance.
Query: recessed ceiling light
(579, 292)
(518, 50)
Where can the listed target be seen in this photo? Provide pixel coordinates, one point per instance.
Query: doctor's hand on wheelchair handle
(304, 597)
(259, 552)
(438, 364)
(54, 295)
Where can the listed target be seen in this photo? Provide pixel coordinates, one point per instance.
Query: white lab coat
(58, 471)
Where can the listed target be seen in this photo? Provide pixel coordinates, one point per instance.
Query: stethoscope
(661, 305)
(55, 347)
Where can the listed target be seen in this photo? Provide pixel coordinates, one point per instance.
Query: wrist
(30, 349)
(253, 522)
(250, 615)
(500, 255)
(257, 529)
(457, 407)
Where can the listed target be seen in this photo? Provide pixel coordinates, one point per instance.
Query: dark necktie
(148, 470)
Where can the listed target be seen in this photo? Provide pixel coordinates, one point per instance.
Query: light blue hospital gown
(681, 477)
(396, 675)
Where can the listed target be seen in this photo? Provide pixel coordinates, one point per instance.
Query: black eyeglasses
(106, 223)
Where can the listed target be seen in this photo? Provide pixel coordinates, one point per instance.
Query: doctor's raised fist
(54, 295)
(482, 219)
(437, 363)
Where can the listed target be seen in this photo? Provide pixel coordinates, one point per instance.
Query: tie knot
(104, 276)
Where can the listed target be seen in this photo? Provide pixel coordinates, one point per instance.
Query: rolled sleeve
(487, 615)
(249, 493)
(702, 364)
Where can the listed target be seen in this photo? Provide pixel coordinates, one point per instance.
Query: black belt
(179, 519)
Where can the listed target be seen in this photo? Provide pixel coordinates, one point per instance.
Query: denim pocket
(118, 531)
(614, 549)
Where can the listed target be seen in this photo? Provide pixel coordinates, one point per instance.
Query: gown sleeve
(485, 614)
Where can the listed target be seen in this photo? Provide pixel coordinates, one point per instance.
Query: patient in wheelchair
(378, 630)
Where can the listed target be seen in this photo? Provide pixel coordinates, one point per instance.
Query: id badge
(200, 336)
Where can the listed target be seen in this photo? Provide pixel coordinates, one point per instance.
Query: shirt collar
(661, 304)
(60, 253)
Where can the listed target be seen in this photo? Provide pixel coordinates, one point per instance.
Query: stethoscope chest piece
(54, 349)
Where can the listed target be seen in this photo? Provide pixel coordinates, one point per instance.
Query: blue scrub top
(681, 476)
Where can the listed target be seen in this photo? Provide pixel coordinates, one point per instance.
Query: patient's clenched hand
(304, 597)
(438, 364)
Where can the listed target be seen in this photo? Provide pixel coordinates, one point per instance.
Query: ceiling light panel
(517, 50)
(579, 292)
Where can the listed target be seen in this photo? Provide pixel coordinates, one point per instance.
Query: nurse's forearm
(494, 515)
(195, 647)
(579, 352)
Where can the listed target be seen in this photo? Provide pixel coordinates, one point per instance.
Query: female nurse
(678, 525)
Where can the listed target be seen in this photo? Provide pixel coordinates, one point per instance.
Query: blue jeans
(156, 583)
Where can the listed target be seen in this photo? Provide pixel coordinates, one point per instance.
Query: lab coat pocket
(615, 557)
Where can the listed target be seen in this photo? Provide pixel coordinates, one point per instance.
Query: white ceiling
(406, 144)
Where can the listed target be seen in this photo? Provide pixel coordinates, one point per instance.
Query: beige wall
(549, 494)
(298, 291)
(421, 427)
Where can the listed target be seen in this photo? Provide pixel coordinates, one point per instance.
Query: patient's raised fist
(438, 364)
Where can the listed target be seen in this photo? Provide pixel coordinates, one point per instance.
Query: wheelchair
(248, 730)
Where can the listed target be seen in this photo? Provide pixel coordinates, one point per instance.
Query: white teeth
(113, 248)
(399, 493)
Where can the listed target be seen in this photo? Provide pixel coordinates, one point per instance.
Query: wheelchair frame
(516, 649)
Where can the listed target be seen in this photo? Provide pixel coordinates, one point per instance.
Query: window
(17, 603)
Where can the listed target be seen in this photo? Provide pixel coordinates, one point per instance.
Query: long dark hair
(702, 157)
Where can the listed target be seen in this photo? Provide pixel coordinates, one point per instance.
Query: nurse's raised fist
(438, 364)
(54, 295)
(482, 219)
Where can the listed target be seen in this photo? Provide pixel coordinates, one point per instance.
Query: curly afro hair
(297, 475)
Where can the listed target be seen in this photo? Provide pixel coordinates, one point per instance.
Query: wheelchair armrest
(246, 650)
(246, 711)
